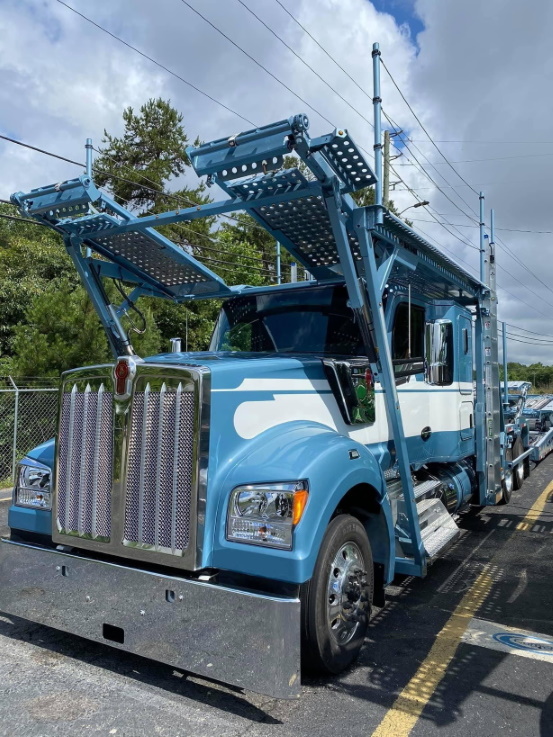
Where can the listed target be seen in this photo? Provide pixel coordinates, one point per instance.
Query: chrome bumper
(240, 638)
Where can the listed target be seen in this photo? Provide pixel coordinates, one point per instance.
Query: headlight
(266, 514)
(33, 487)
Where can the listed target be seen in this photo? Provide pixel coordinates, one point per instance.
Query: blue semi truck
(238, 512)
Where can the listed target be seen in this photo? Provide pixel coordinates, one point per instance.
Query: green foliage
(151, 151)
(539, 375)
(30, 257)
(62, 331)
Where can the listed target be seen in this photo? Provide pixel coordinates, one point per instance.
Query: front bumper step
(245, 639)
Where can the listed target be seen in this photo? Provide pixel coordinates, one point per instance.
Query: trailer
(237, 512)
(538, 413)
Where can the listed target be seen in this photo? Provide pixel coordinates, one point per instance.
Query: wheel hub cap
(348, 598)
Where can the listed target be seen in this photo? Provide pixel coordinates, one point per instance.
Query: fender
(298, 450)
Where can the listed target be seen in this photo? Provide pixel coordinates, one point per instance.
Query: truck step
(438, 528)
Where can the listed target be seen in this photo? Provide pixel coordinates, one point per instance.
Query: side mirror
(439, 352)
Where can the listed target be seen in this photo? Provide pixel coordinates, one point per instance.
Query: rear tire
(518, 471)
(507, 487)
(336, 602)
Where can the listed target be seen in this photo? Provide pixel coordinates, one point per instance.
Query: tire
(336, 602)
(518, 471)
(526, 465)
(507, 487)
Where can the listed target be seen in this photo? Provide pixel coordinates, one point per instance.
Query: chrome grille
(160, 470)
(85, 463)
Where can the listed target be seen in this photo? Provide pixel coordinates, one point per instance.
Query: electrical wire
(298, 56)
(179, 200)
(157, 63)
(423, 128)
(525, 330)
(255, 61)
(402, 138)
(324, 51)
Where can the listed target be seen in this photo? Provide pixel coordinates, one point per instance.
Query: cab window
(408, 340)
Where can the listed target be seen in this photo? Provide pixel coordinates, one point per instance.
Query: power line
(526, 342)
(324, 50)
(157, 63)
(275, 34)
(459, 140)
(76, 163)
(506, 230)
(525, 330)
(255, 61)
(423, 170)
(423, 128)
(527, 337)
(473, 161)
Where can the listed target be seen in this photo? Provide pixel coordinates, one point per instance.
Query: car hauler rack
(538, 412)
(202, 502)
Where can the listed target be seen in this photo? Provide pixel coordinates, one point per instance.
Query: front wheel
(336, 602)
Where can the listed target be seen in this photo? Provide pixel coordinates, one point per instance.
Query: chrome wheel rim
(347, 595)
(519, 470)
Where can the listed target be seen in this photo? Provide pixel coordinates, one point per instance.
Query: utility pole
(482, 241)
(88, 153)
(386, 177)
(377, 108)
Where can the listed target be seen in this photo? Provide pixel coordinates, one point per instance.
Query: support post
(505, 377)
(482, 244)
(386, 177)
(15, 424)
(88, 154)
(293, 272)
(278, 272)
(377, 109)
(386, 377)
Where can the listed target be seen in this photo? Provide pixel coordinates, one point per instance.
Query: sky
(477, 75)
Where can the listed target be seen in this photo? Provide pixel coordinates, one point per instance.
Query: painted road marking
(400, 719)
(509, 640)
(537, 508)
(403, 715)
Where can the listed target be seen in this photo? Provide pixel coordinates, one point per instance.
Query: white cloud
(476, 73)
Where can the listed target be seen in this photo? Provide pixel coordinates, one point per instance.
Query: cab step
(438, 528)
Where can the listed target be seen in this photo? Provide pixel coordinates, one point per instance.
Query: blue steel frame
(366, 246)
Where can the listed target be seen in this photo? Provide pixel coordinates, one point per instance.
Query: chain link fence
(28, 416)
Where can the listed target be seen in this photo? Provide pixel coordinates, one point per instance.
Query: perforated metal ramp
(141, 250)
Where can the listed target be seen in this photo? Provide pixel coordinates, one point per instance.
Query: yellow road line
(5, 501)
(536, 509)
(403, 715)
(407, 708)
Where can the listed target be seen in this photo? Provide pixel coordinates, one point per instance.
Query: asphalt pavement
(466, 651)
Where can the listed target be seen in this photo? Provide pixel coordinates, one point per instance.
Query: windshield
(314, 320)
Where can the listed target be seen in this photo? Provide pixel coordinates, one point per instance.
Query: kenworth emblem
(124, 372)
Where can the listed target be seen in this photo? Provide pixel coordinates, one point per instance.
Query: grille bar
(86, 463)
(159, 484)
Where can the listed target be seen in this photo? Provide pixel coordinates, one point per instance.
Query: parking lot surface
(466, 651)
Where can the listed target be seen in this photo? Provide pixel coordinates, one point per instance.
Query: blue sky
(404, 13)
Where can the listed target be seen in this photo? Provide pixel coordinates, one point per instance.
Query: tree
(61, 331)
